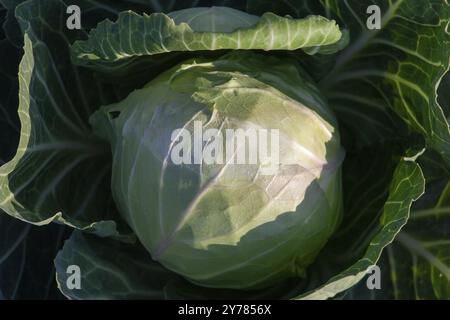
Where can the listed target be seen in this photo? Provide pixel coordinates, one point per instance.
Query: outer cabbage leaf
(406, 187)
(210, 29)
(26, 252)
(417, 264)
(56, 146)
(399, 66)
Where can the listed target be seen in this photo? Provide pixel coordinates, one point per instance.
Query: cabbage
(216, 149)
(227, 223)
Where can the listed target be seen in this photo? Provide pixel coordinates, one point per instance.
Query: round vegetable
(228, 170)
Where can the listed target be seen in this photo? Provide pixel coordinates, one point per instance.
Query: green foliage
(377, 88)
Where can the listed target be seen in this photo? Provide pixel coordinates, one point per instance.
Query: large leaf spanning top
(209, 29)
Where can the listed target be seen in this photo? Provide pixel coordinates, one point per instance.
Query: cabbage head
(222, 223)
